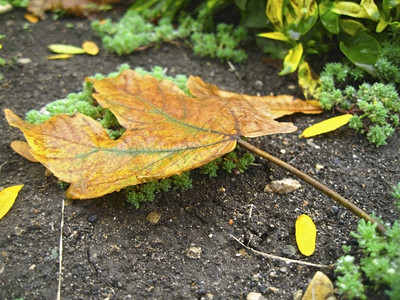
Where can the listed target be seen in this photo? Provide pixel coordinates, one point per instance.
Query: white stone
(283, 186)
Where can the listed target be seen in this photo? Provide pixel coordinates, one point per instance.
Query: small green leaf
(305, 17)
(351, 26)
(383, 23)
(326, 125)
(65, 49)
(350, 9)
(292, 60)
(7, 198)
(329, 19)
(371, 9)
(362, 50)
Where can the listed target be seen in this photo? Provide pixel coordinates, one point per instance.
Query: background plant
(379, 263)
(2, 60)
(314, 27)
(151, 22)
(15, 3)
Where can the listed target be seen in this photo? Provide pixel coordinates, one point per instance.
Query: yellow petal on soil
(31, 18)
(320, 288)
(7, 198)
(60, 56)
(65, 49)
(90, 48)
(326, 125)
(306, 234)
(23, 149)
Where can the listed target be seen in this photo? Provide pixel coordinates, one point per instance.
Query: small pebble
(24, 61)
(194, 252)
(258, 85)
(201, 291)
(289, 250)
(254, 296)
(153, 217)
(283, 186)
(92, 218)
(335, 209)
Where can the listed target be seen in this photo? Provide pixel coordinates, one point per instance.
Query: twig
(316, 184)
(286, 260)
(233, 69)
(60, 252)
(251, 211)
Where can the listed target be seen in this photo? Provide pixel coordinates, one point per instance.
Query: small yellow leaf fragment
(326, 125)
(23, 149)
(65, 49)
(60, 56)
(31, 18)
(306, 234)
(90, 48)
(7, 198)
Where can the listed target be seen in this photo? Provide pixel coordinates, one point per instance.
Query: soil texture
(110, 250)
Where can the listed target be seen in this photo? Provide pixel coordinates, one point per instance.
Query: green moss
(134, 31)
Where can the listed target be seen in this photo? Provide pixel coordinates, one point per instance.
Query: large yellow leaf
(166, 133)
(7, 198)
(306, 234)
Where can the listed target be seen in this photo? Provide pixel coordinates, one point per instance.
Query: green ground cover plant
(373, 101)
(379, 263)
(15, 3)
(2, 60)
(135, 31)
(84, 103)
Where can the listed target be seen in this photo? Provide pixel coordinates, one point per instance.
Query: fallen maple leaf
(167, 132)
(23, 149)
(75, 7)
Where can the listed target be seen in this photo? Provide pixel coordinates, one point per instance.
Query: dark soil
(112, 252)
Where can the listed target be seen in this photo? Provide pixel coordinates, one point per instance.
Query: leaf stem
(316, 184)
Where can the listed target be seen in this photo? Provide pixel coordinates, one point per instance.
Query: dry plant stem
(316, 184)
(286, 260)
(60, 251)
